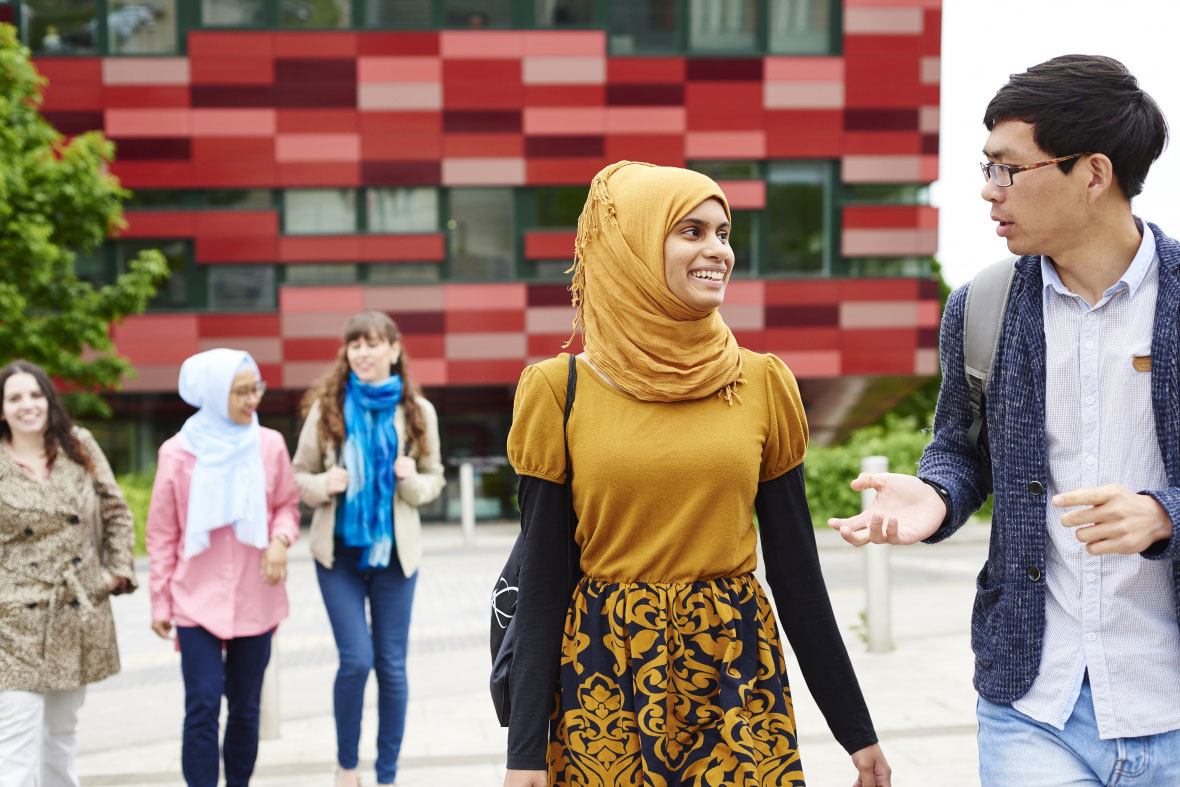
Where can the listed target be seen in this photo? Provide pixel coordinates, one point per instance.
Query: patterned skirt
(664, 684)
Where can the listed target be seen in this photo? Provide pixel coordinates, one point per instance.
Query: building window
(404, 272)
(158, 199)
(398, 13)
(315, 13)
(61, 27)
(233, 13)
(723, 25)
(888, 193)
(319, 211)
(476, 14)
(564, 13)
(402, 209)
(142, 28)
(482, 234)
(644, 26)
(547, 270)
(796, 234)
(799, 27)
(176, 291)
(728, 170)
(94, 267)
(240, 198)
(558, 207)
(242, 287)
(743, 239)
(331, 273)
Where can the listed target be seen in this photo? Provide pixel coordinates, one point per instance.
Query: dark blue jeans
(390, 596)
(207, 675)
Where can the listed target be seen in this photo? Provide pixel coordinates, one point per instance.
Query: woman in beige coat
(66, 537)
(368, 457)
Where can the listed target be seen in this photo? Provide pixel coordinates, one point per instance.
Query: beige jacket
(56, 628)
(313, 459)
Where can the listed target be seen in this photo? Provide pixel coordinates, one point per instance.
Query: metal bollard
(467, 501)
(877, 584)
(268, 718)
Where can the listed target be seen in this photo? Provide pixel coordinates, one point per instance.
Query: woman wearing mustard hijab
(670, 670)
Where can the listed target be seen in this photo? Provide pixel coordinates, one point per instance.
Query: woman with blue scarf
(368, 457)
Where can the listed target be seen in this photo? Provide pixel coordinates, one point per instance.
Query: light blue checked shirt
(1113, 616)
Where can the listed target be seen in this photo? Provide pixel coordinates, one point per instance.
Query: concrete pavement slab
(920, 693)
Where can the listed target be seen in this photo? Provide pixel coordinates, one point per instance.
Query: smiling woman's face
(697, 257)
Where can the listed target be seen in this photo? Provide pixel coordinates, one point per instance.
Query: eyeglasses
(254, 391)
(1001, 174)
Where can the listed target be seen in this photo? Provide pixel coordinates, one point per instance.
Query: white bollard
(877, 585)
(467, 501)
(268, 717)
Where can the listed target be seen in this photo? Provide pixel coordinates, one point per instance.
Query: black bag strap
(571, 552)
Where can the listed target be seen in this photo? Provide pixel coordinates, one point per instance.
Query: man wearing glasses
(1077, 646)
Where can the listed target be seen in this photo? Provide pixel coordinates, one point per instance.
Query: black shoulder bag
(504, 594)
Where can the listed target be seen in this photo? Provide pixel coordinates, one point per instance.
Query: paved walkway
(920, 693)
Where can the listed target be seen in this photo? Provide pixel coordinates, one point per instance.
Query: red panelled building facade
(300, 160)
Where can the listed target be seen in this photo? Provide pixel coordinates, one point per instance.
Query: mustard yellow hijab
(640, 335)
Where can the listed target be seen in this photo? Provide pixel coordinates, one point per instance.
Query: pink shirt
(220, 589)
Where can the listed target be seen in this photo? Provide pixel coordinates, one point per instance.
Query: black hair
(1086, 104)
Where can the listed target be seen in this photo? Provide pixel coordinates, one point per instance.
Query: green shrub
(137, 490)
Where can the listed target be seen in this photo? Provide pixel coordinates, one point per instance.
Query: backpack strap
(572, 554)
(983, 317)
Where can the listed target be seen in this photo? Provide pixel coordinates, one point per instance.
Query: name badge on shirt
(1142, 363)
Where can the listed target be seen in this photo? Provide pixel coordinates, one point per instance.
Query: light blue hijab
(228, 486)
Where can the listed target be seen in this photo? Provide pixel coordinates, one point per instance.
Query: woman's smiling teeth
(708, 275)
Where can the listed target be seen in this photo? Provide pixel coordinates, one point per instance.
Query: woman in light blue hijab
(224, 510)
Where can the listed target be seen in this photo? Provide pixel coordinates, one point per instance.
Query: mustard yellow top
(664, 491)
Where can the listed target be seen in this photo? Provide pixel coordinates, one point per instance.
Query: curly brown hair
(329, 389)
(59, 428)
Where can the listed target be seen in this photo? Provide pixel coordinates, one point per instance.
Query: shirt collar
(1131, 278)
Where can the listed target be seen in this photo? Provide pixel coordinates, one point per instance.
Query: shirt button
(1091, 636)
(1091, 577)
(1089, 400)
(1091, 317)
(1036, 488)
(1034, 573)
(1089, 345)
(1089, 460)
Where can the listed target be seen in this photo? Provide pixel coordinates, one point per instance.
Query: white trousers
(39, 737)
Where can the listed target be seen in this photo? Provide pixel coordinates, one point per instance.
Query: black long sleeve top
(792, 571)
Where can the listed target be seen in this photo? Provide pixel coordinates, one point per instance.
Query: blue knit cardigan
(1008, 618)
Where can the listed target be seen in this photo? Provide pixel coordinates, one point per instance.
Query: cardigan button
(73, 520)
(1034, 573)
(28, 531)
(1036, 488)
(74, 603)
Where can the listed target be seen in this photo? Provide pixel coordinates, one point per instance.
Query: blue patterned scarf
(370, 449)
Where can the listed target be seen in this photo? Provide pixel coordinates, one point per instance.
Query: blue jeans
(206, 677)
(1017, 749)
(390, 594)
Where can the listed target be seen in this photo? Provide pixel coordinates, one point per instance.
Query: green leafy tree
(57, 199)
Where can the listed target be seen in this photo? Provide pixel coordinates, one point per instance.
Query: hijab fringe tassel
(598, 212)
(729, 393)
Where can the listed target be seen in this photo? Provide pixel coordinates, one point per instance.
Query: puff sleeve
(786, 438)
(536, 444)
